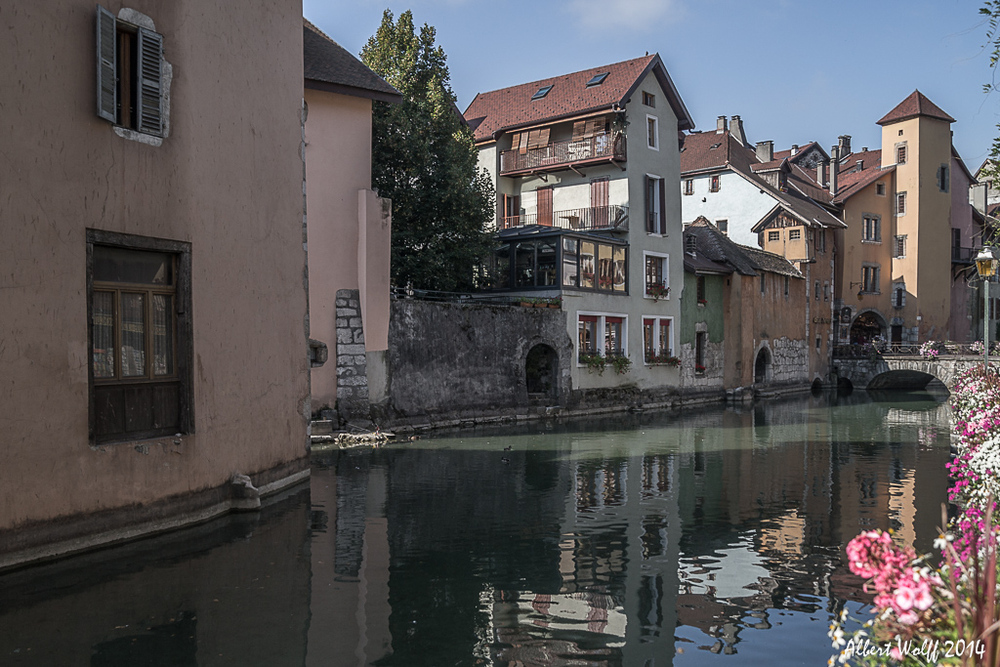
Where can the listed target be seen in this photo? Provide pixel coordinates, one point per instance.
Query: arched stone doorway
(541, 371)
(762, 366)
(866, 326)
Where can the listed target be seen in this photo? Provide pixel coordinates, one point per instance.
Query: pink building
(349, 229)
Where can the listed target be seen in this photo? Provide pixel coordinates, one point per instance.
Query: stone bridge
(900, 371)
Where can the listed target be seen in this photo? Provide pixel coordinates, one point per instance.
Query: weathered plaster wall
(349, 229)
(448, 358)
(228, 180)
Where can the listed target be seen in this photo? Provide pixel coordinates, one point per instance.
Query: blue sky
(794, 70)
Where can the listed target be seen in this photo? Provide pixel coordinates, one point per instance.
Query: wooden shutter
(149, 99)
(650, 194)
(107, 65)
(579, 130)
(544, 204)
(538, 138)
(663, 205)
(599, 202)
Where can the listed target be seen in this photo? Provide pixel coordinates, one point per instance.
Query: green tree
(425, 160)
(991, 10)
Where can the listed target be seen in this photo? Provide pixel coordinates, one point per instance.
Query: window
(817, 343)
(657, 277)
(786, 287)
(129, 83)
(901, 153)
(535, 263)
(657, 339)
(942, 178)
(899, 246)
(691, 244)
(723, 226)
(700, 291)
(901, 203)
(794, 234)
(898, 295)
(597, 79)
(816, 291)
(596, 266)
(700, 343)
(880, 189)
(869, 279)
(714, 184)
(541, 92)
(652, 134)
(656, 216)
(871, 229)
(139, 306)
(826, 291)
(773, 236)
(511, 211)
(762, 284)
(689, 186)
(648, 99)
(602, 334)
(821, 241)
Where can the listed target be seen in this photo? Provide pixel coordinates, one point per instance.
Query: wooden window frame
(714, 183)
(652, 132)
(689, 186)
(656, 213)
(653, 344)
(180, 380)
(773, 236)
(652, 259)
(794, 234)
(649, 99)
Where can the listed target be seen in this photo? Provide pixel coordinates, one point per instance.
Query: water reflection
(653, 540)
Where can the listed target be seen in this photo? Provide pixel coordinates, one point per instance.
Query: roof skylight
(597, 79)
(541, 92)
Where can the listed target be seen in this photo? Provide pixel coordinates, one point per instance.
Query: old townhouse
(153, 345)
(744, 318)
(349, 229)
(588, 210)
(759, 198)
(909, 242)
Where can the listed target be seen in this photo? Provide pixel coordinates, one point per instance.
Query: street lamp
(986, 265)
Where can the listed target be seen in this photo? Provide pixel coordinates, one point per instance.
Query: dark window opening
(597, 79)
(541, 92)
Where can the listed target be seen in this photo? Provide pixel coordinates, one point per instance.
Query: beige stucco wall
(349, 228)
(927, 221)
(228, 180)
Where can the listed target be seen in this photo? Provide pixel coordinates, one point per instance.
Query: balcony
(590, 219)
(960, 255)
(603, 147)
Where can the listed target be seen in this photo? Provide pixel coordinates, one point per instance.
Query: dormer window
(597, 79)
(542, 92)
(648, 99)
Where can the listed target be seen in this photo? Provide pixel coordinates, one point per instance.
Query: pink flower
(904, 598)
(908, 618)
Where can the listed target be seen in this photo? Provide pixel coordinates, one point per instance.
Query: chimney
(861, 165)
(795, 149)
(834, 165)
(765, 151)
(864, 149)
(844, 143)
(821, 173)
(736, 129)
(720, 125)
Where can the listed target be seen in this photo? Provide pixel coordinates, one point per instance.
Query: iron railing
(866, 350)
(592, 218)
(564, 153)
(960, 254)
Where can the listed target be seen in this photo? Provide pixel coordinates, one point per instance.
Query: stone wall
(789, 361)
(455, 359)
(352, 362)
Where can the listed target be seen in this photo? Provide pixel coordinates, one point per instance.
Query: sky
(795, 71)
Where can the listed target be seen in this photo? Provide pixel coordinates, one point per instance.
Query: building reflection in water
(647, 541)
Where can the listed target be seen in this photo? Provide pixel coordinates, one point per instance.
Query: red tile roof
(851, 180)
(915, 105)
(509, 108)
(702, 151)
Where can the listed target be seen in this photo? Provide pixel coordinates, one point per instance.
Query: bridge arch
(905, 379)
(762, 364)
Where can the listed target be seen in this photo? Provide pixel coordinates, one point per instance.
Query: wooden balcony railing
(564, 153)
(592, 218)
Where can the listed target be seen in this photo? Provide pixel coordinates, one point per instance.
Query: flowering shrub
(931, 349)
(977, 347)
(954, 605)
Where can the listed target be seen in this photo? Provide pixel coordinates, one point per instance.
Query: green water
(710, 536)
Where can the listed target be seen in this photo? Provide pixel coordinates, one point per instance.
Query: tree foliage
(991, 10)
(425, 160)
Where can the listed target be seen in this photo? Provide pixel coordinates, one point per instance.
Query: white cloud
(641, 15)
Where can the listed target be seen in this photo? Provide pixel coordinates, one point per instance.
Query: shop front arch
(866, 327)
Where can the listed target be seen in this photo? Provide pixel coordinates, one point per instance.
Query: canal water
(707, 537)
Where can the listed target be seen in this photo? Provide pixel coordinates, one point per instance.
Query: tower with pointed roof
(916, 139)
